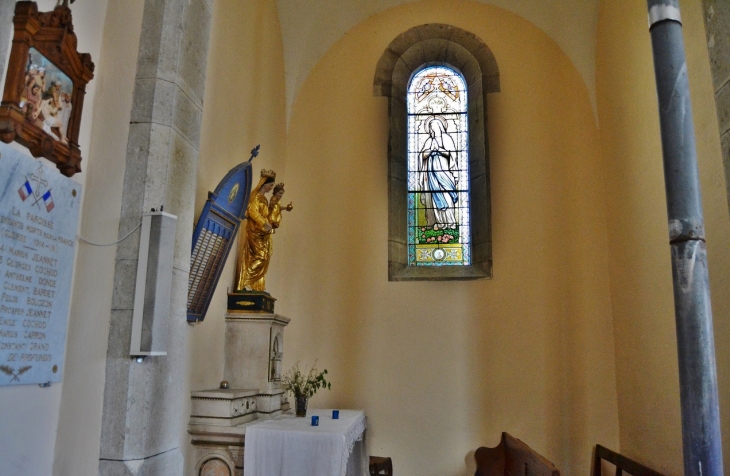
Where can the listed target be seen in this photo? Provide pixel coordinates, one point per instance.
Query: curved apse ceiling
(310, 27)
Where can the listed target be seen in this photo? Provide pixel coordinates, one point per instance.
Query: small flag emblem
(25, 190)
(48, 200)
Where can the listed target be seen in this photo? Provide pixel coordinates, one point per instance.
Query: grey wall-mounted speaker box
(154, 285)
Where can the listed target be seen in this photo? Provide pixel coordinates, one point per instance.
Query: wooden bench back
(622, 463)
(512, 457)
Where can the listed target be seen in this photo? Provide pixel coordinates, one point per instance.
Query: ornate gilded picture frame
(45, 86)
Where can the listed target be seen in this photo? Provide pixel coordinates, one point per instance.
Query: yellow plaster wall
(444, 367)
(244, 106)
(640, 267)
(441, 368)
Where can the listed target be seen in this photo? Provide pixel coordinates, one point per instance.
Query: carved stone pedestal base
(219, 417)
(218, 424)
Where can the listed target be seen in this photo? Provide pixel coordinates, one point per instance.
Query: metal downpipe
(702, 444)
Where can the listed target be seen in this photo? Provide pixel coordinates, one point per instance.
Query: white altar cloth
(291, 446)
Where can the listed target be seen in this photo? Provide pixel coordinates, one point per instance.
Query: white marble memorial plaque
(39, 210)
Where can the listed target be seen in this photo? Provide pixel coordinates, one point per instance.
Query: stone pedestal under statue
(218, 418)
(254, 347)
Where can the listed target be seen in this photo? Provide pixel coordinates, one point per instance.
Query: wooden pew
(512, 458)
(622, 463)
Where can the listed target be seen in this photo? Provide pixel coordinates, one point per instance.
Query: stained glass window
(438, 169)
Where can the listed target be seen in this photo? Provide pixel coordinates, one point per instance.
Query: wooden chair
(512, 457)
(381, 466)
(622, 463)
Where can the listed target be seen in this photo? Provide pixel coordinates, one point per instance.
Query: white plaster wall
(30, 414)
(79, 425)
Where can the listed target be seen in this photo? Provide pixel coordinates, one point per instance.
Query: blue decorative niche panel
(214, 236)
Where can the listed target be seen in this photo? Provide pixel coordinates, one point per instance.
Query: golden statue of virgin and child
(263, 217)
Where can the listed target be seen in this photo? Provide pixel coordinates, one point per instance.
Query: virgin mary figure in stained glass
(439, 176)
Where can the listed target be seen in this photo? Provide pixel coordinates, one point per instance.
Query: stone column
(717, 25)
(6, 33)
(143, 414)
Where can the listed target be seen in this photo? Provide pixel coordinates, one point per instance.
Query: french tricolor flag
(48, 200)
(25, 191)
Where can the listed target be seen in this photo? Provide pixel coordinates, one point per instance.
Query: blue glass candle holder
(335, 414)
(315, 420)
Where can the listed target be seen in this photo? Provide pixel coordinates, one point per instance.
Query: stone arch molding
(437, 43)
(409, 52)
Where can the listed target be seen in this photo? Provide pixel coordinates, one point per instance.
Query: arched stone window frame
(411, 51)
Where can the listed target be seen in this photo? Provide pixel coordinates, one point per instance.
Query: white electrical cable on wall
(81, 238)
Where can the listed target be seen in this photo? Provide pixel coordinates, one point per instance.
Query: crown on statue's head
(278, 187)
(268, 174)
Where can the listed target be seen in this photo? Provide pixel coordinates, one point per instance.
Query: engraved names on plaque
(208, 252)
(39, 211)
